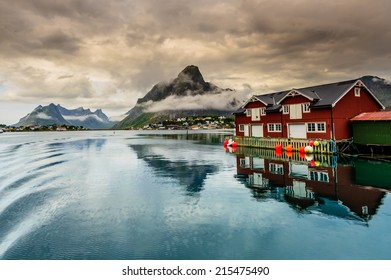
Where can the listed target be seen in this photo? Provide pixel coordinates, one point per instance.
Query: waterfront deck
(324, 147)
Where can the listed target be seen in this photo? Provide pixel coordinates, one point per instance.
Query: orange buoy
(289, 148)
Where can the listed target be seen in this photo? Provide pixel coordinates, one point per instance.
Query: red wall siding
(316, 115)
(350, 106)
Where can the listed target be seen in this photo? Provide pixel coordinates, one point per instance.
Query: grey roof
(272, 98)
(326, 95)
(241, 110)
(322, 95)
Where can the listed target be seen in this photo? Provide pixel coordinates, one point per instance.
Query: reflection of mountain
(312, 186)
(190, 175)
(80, 144)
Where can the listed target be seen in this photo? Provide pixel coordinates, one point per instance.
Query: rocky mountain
(380, 87)
(186, 95)
(56, 114)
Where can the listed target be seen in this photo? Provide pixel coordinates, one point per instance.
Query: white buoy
(308, 150)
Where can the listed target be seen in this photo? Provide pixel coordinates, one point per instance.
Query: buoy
(312, 163)
(288, 153)
(311, 143)
(309, 150)
(302, 150)
(289, 148)
(225, 142)
(317, 162)
(233, 144)
(309, 157)
(316, 143)
(278, 153)
(278, 147)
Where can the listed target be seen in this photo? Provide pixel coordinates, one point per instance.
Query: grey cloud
(62, 42)
(130, 45)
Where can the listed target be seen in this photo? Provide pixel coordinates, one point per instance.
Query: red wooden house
(321, 112)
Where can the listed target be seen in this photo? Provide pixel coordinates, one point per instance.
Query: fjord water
(179, 195)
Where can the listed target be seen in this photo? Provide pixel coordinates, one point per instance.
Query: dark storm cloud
(119, 49)
(61, 42)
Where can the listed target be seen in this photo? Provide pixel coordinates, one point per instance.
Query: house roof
(326, 95)
(373, 116)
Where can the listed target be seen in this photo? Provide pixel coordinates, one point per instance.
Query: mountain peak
(193, 73)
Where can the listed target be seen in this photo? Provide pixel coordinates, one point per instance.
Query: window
(285, 109)
(320, 176)
(306, 108)
(276, 168)
(321, 127)
(311, 127)
(316, 127)
(263, 111)
(241, 127)
(248, 112)
(274, 127)
(357, 91)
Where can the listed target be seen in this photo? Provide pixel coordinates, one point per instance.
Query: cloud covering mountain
(186, 95)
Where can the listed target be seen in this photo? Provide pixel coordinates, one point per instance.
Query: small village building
(372, 128)
(317, 112)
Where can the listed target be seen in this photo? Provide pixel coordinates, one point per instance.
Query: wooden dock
(316, 159)
(325, 146)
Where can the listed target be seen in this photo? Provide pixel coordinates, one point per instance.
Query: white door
(295, 112)
(255, 114)
(246, 130)
(297, 131)
(257, 130)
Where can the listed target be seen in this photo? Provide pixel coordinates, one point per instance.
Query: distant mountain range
(186, 95)
(58, 115)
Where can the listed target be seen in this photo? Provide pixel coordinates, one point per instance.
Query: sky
(107, 54)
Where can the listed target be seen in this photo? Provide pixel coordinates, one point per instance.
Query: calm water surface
(160, 195)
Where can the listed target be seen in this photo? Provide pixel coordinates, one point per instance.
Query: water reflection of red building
(330, 188)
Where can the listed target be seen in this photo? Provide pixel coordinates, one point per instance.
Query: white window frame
(324, 127)
(306, 107)
(276, 168)
(248, 112)
(241, 127)
(319, 176)
(273, 127)
(315, 127)
(311, 127)
(285, 109)
(263, 111)
(357, 92)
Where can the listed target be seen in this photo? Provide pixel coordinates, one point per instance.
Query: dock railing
(316, 159)
(323, 147)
